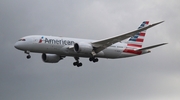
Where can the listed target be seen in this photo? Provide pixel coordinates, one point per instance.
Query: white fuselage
(63, 46)
(55, 48)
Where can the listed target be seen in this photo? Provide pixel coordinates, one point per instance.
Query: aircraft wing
(150, 47)
(102, 44)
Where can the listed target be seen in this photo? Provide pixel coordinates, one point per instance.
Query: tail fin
(137, 40)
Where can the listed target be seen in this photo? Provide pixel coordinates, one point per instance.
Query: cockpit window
(22, 39)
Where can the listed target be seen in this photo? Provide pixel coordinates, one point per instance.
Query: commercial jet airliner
(55, 48)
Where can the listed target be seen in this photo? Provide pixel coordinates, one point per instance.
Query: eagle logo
(41, 39)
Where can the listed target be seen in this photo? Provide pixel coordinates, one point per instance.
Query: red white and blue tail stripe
(137, 40)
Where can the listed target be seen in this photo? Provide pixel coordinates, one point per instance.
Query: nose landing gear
(28, 56)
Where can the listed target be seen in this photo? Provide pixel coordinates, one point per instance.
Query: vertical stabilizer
(137, 40)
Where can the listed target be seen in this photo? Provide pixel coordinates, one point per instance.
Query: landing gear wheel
(79, 65)
(97, 60)
(28, 56)
(93, 59)
(90, 59)
(75, 63)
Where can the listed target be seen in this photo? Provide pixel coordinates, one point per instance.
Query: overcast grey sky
(155, 76)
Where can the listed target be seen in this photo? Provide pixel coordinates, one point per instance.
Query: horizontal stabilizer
(151, 47)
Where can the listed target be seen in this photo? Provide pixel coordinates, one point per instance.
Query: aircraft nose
(16, 45)
(19, 45)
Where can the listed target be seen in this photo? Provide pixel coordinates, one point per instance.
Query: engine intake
(83, 48)
(51, 58)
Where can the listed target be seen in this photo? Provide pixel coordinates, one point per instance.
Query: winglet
(157, 23)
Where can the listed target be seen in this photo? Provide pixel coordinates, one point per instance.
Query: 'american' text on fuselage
(61, 42)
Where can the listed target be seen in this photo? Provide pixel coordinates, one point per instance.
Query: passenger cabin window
(22, 39)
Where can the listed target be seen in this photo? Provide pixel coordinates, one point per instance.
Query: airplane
(56, 48)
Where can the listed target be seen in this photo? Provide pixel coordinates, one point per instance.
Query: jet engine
(83, 48)
(51, 58)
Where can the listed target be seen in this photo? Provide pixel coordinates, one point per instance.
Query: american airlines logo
(40, 41)
(56, 41)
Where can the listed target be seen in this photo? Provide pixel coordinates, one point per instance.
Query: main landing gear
(28, 56)
(93, 59)
(77, 63)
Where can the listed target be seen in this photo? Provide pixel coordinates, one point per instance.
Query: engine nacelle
(83, 48)
(51, 58)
